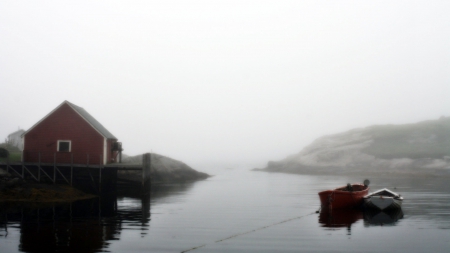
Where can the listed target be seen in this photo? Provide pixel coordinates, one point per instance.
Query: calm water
(235, 211)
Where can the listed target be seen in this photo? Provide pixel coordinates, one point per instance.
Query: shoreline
(408, 174)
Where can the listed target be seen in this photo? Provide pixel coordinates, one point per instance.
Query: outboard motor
(349, 187)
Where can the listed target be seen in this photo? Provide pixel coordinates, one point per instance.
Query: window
(64, 146)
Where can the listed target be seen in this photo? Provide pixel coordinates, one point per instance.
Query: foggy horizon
(225, 83)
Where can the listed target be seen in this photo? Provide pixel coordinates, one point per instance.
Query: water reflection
(81, 226)
(345, 218)
(389, 217)
(177, 217)
(339, 218)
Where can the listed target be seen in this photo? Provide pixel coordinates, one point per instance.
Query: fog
(225, 84)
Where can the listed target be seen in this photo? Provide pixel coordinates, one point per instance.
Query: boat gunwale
(379, 193)
(343, 190)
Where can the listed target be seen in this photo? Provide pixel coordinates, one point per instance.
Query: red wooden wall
(65, 124)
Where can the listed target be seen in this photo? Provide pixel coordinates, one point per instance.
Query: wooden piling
(100, 175)
(39, 168)
(54, 168)
(146, 172)
(71, 169)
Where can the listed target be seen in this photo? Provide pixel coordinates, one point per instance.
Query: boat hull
(383, 199)
(383, 203)
(341, 198)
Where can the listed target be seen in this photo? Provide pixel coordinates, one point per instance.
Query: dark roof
(86, 116)
(92, 121)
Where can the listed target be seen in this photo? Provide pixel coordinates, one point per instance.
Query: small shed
(69, 134)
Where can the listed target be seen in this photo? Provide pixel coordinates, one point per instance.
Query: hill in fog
(421, 148)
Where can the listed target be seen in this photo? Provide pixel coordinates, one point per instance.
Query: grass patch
(15, 155)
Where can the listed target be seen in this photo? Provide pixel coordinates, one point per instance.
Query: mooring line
(193, 248)
(250, 231)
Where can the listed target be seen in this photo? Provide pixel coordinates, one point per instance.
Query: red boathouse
(69, 134)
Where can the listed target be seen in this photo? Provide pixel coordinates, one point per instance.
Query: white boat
(383, 199)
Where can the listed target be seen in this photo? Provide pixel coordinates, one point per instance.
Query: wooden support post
(39, 168)
(54, 168)
(100, 174)
(71, 169)
(23, 170)
(146, 172)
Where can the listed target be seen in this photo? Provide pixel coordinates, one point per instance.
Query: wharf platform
(91, 178)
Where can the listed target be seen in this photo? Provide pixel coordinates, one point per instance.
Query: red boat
(349, 196)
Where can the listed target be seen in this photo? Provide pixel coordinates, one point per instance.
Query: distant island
(412, 149)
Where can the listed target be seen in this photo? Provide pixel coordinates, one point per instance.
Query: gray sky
(225, 83)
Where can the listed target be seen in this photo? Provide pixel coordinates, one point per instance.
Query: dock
(92, 178)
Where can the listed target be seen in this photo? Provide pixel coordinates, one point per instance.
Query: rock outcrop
(422, 148)
(163, 169)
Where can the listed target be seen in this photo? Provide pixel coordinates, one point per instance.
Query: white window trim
(70, 145)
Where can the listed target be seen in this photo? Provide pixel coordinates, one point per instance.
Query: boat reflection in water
(344, 218)
(340, 218)
(381, 218)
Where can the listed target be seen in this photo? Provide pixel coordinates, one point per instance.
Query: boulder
(163, 169)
